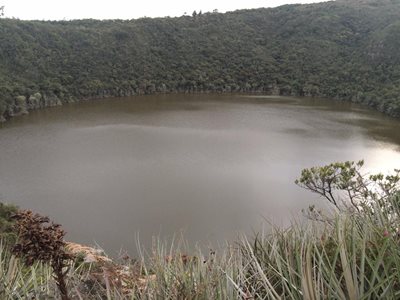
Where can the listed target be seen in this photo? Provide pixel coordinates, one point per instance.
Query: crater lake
(114, 171)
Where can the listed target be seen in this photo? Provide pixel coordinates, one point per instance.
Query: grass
(353, 256)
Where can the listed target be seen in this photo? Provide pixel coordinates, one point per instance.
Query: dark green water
(210, 165)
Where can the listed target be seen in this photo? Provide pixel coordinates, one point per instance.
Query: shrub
(6, 221)
(42, 240)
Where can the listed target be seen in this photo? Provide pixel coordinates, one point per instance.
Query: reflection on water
(211, 165)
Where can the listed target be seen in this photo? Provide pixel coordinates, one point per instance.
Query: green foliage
(336, 176)
(6, 221)
(349, 258)
(342, 184)
(352, 255)
(343, 49)
(18, 281)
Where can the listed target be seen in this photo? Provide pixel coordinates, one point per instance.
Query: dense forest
(347, 50)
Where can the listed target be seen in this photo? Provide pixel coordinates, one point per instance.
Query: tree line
(345, 50)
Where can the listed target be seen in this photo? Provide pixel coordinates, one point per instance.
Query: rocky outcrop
(21, 105)
(89, 254)
(107, 273)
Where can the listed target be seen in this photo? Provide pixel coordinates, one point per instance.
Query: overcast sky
(125, 9)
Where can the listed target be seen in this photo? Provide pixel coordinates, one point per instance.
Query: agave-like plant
(354, 254)
(18, 281)
(353, 258)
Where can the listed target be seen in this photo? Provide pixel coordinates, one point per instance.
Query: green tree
(347, 188)
(338, 49)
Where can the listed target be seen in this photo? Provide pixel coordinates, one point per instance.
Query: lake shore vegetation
(350, 252)
(345, 50)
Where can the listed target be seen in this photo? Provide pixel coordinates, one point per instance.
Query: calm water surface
(207, 165)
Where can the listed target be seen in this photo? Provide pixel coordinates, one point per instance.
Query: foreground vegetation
(340, 49)
(353, 254)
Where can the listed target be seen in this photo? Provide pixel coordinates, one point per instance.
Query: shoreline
(38, 102)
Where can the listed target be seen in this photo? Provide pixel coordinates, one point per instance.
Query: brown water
(210, 165)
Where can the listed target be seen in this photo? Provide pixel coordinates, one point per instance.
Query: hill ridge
(344, 50)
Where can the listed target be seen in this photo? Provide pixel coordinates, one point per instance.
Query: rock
(90, 254)
(34, 101)
(21, 105)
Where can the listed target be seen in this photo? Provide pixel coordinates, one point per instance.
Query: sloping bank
(350, 254)
(345, 50)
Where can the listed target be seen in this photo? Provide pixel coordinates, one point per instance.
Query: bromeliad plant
(40, 240)
(353, 254)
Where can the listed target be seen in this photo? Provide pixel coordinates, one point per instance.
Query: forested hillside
(344, 49)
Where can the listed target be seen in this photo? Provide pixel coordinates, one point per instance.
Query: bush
(353, 254)
(6, 222)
